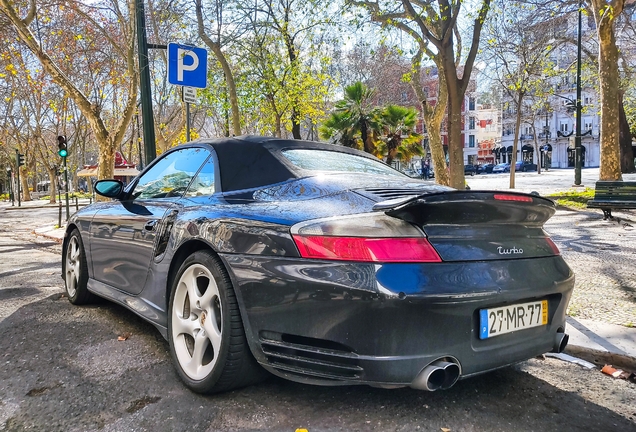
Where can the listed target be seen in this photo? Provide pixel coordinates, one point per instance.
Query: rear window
(324, 160)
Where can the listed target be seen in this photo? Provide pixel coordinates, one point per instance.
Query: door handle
(150, 225)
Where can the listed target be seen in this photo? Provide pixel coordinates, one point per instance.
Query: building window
(587, 100)
(471, 141)
(471, 123)
(588, 125)
(565, 127)
(471, 103)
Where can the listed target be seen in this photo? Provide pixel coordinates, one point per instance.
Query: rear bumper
(347, 323)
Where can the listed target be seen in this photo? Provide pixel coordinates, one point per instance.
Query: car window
(325, 160)
(171, 175)
(203, 183)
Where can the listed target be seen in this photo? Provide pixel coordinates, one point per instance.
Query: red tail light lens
(506, 197)
(553, 246)
(400, 249)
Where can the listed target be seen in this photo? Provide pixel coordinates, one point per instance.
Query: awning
(509, 149)
(87, 172)
(119, 172)
(527, 148)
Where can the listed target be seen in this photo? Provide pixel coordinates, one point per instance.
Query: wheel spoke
(191, 286)
(184, 325)
(196, 362)
(207, 299)
(71, 282)
(74, 255)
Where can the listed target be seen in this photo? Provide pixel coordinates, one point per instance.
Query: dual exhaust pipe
(442, 374)
(438, 375)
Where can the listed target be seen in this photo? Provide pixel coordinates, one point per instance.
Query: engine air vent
(310, 357)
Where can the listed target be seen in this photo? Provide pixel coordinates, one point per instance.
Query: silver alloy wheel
(196, 322)
(72, 266)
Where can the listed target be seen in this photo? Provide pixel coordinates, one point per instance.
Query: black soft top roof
(253, 161)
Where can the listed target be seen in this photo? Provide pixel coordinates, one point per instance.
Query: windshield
(324, 160)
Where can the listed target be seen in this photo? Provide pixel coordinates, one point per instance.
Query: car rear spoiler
(471, 207)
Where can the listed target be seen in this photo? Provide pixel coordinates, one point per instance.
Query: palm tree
(353, 115)
(339, 129)
(399, 136)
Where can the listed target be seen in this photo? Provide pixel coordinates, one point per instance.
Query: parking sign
(187, 65)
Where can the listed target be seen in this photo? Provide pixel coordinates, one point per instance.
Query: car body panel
(501, 168)
(524, 166)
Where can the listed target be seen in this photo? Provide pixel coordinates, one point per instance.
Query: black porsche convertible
(320, 264)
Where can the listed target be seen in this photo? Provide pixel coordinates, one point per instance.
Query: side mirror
(109, 188)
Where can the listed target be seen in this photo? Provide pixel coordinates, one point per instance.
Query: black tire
(206, 335)
(75, 270)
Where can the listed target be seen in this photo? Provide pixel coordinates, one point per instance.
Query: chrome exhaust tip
(438, 375)
(560, 342)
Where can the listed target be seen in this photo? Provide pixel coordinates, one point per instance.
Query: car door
(123, 234)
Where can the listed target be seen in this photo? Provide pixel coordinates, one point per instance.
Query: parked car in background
(501, 168)
(470, 170)
(320, 264)
(524, 166)
(486, 168)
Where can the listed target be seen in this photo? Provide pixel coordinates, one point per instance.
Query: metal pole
(10, 175)
(17, 164)
(188, 121)
(547, 131)
(66, 188)
(150, 150)
(577, 137)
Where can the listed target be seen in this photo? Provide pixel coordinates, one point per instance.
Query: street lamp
(577, 137)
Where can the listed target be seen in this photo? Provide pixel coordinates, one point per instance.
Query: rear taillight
(507, 197)
(553, 246)
(371, 237)
(367, 249)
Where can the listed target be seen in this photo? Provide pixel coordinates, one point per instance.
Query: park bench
(609, 195)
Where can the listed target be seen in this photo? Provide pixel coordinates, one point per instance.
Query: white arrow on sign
(190, 95)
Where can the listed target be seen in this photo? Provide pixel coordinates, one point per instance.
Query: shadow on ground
(64, 369)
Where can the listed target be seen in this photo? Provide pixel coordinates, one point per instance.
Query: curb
(601, 358)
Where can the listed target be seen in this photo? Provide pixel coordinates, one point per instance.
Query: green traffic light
(62, 152)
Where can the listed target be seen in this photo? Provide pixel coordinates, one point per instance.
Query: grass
(70, 195)
(573, 199)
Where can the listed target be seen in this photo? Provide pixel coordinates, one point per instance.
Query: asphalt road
(64, 369)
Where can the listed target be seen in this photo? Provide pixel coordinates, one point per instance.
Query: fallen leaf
(446, 430)
(124, 336)
(609, 370)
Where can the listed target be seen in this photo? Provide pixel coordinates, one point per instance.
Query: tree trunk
(455, 142)
(608, 77)
(515, 143)
(52, 185)
(227, 70)
(24, 180)
(433, 118)
(625, 137)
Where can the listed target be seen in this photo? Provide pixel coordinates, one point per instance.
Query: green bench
(609, 195)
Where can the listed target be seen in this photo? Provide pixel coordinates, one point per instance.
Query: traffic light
(20, 159)
(61, 145)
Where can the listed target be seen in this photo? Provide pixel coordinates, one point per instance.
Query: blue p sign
(187, 66)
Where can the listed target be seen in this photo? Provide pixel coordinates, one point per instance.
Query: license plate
(497, 321)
